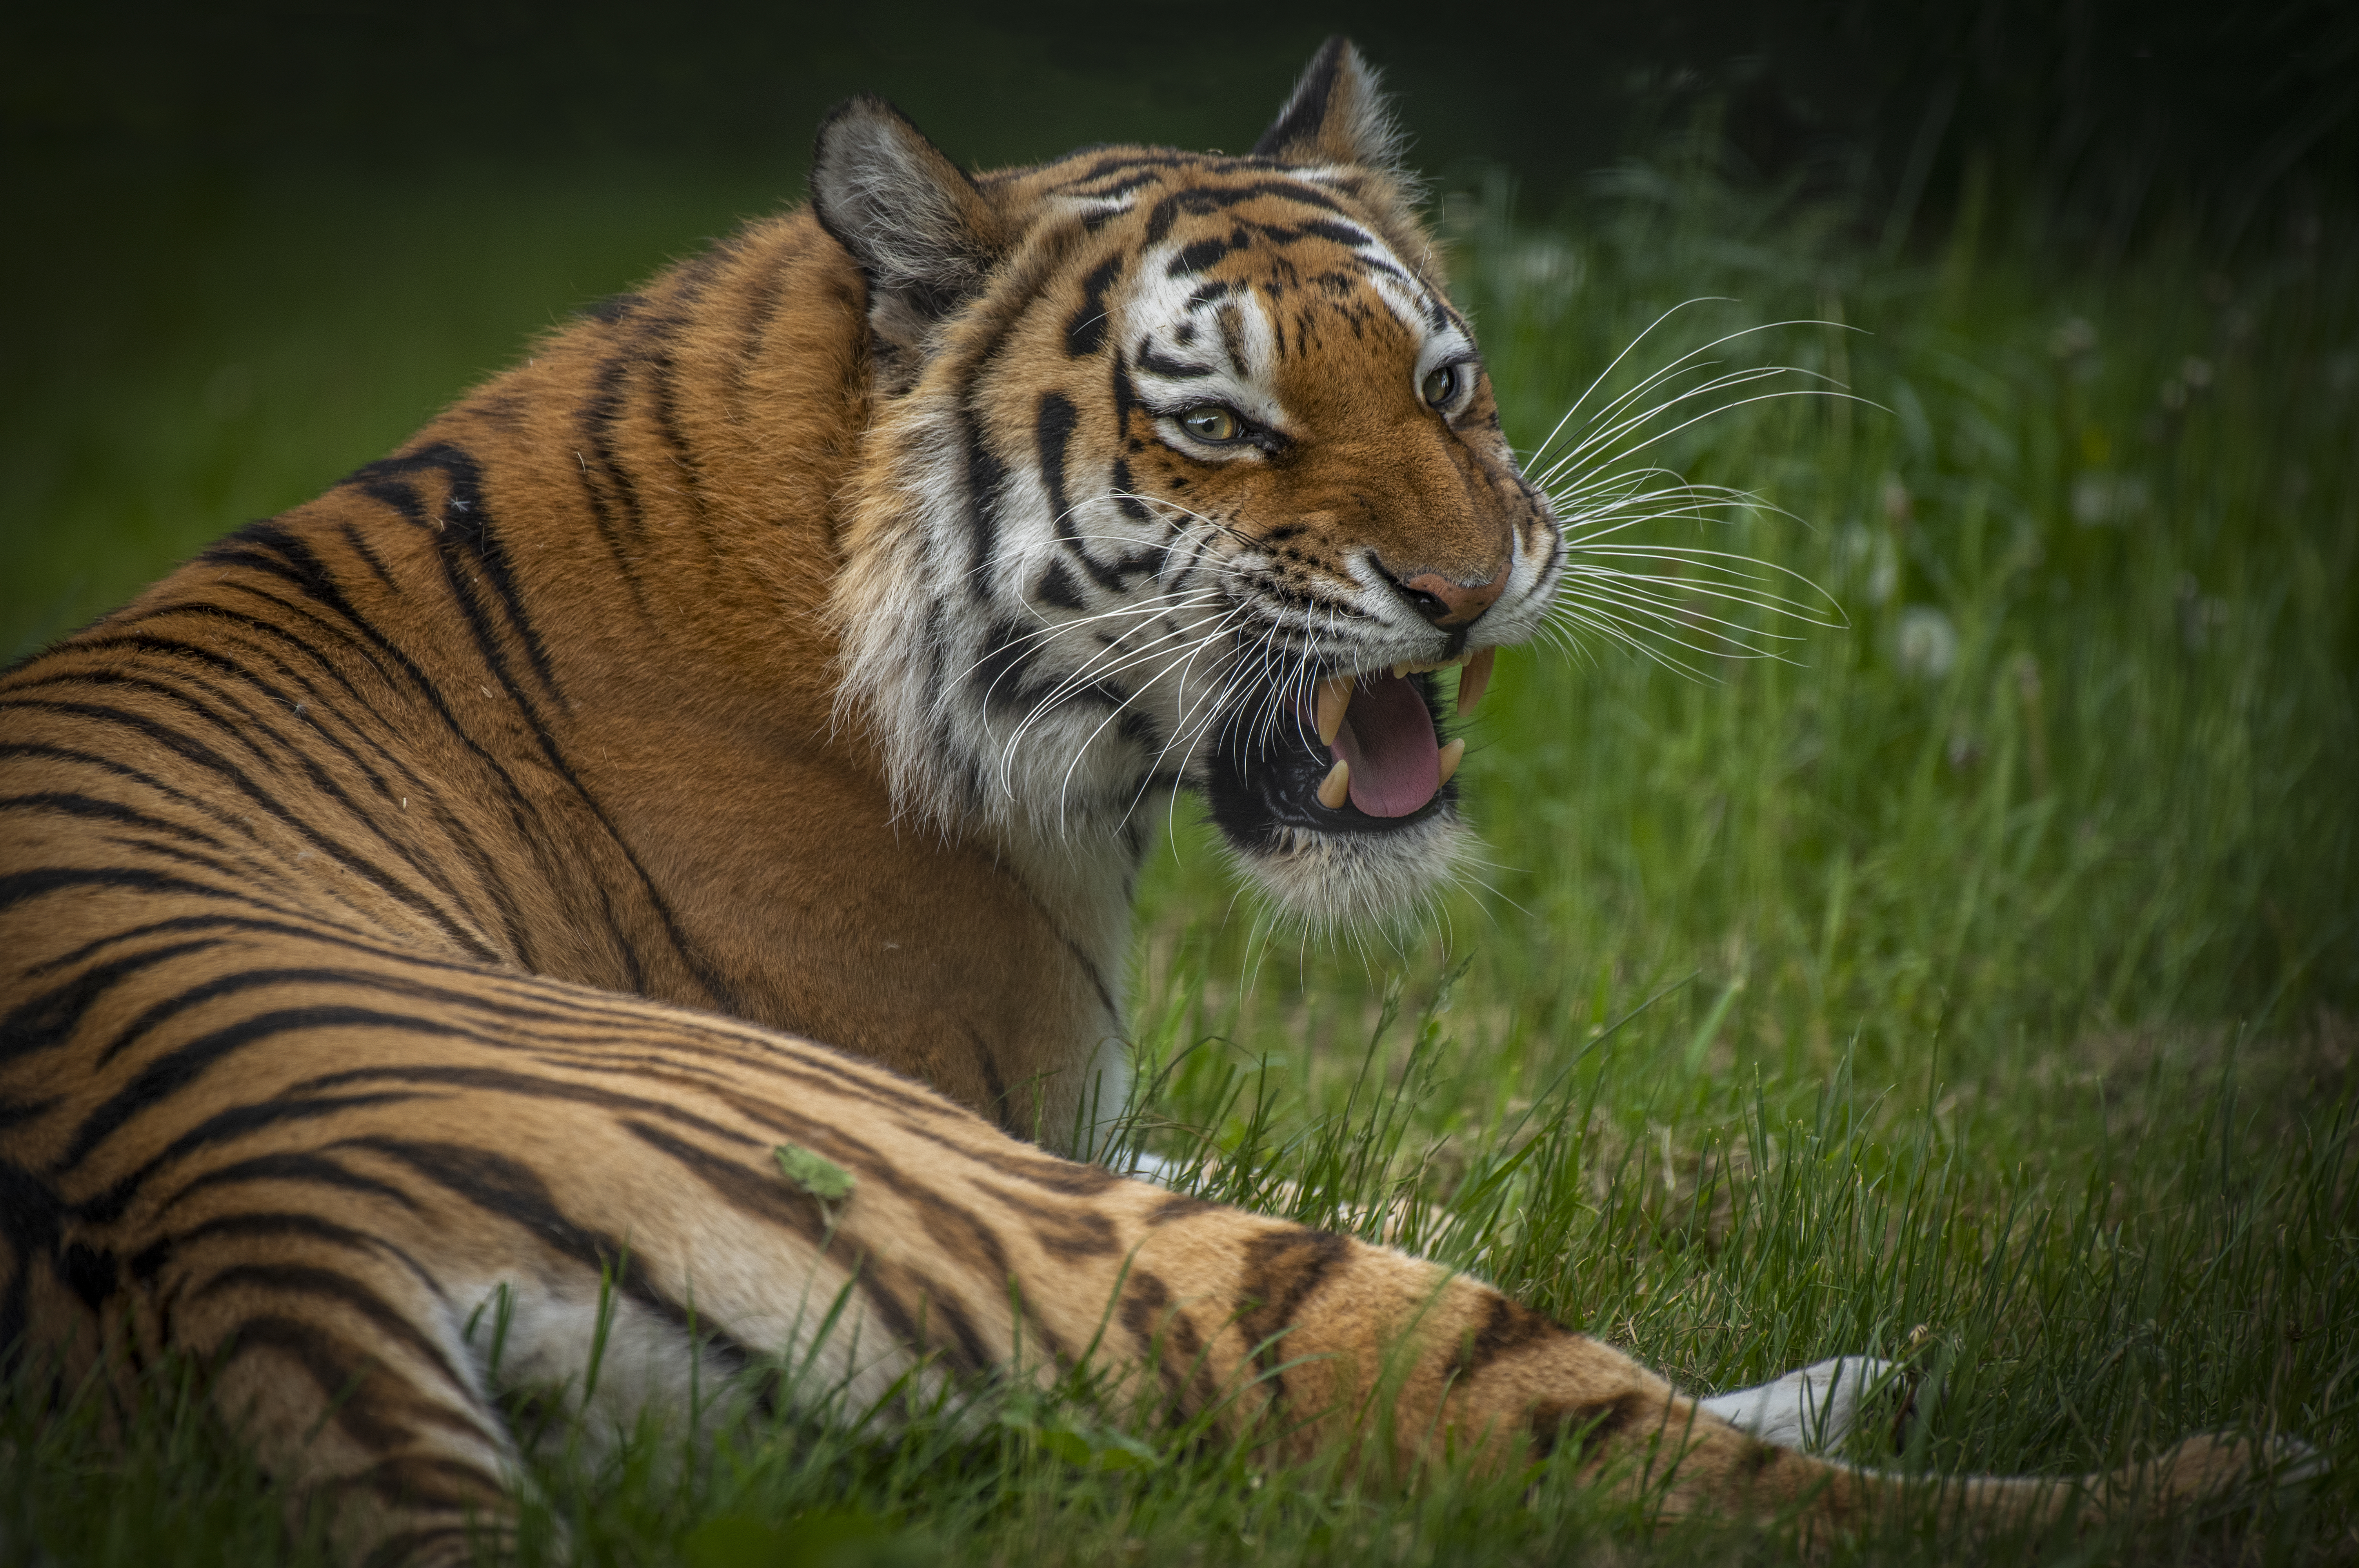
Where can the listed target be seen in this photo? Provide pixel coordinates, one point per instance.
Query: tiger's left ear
(925, 236)
(1336, 116)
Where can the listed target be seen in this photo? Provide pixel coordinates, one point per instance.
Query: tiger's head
(1184, 474)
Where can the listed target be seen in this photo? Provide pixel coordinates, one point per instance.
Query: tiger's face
(1199, 484)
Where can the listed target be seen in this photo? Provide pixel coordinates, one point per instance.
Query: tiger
(734, 729)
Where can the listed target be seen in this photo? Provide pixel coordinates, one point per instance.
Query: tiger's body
(442, 887)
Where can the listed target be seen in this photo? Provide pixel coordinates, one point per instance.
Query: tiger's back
(438, 889)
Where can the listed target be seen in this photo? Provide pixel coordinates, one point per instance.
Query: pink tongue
(1387, 736)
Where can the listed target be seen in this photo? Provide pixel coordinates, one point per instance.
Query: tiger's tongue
(1387, 736)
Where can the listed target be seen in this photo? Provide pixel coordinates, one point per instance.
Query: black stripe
(240, 620)
(270, 1224)
(1057, 588)
(1552, 1422)
(469, 541)
(46, 1022)
(600, 412)
(413, 1481)
(1507, 1326)
(299, 1279)
(1200, 201)
(109, 766)
(500, 1081)
(312, 697)
(1173, 370)
(634, 974)
(984, 474)
(465, 536)
(513, 1191)
(20, 887)
(323, 931)
(1125, 161)
(193, 750)
(337, 1369)
(1122, 187)
(1340, 232)
(162, 683)
(227, 1127)
(1065, 1231)
(315, 1170)
(652, 344)
(1198, 255)
(889, 1287)
(597, 413)
(1086, 333)
(429, 868)
(765, 291)
(1283, 1267)
(1052, 428)
(995, 1084)
(175, 1070)
(360, 547)
(89, 807)
(268, 549)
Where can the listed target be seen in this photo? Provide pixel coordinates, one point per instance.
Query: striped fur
(436, 894)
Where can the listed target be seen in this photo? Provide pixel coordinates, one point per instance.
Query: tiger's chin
(1355, 830)
(1331, 883)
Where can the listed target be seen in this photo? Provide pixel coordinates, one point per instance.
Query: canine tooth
(1473, 679)
(1451, 755)
(1336, 787)
(1334, 696)
(1402, 667)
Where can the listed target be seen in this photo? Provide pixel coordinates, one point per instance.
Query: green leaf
(823, 1178)
(1106, 1450)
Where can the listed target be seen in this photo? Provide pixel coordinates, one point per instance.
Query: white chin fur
(1334, 882)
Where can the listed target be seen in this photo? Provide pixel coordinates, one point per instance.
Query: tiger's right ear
(923, 233)
(1336, 113)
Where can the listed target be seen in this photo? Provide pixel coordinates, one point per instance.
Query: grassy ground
(1980, 987)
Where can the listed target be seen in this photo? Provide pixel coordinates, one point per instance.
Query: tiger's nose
(1452, 604)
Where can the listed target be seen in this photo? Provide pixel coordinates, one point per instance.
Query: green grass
(1997, 1011)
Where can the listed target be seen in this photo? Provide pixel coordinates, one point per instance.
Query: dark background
(2102, 122)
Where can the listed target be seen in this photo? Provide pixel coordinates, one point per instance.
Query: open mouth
(1363, 755)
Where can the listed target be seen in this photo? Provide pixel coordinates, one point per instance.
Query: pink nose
(1448, 603)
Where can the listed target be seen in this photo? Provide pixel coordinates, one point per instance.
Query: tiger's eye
(1441, 386)
(1210, 423)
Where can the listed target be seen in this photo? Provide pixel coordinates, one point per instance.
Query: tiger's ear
(923, 233)
(1335, 115)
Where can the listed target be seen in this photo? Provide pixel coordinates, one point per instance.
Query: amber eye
(1440, 385)
(1210, 423)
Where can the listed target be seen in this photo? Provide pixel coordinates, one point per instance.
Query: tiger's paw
(1815, 1409)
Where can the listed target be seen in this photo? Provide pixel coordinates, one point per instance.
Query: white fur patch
(1815, 1409)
